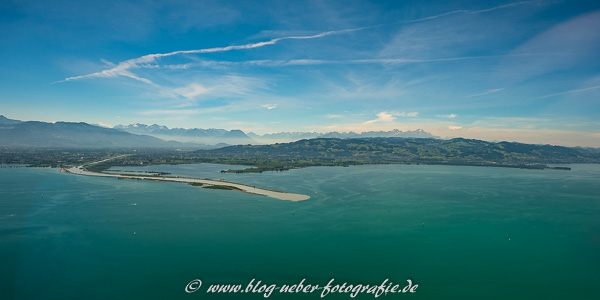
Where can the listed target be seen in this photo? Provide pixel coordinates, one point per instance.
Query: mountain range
(285, 137)
(16, 133)
(218, 137)
(237, 137)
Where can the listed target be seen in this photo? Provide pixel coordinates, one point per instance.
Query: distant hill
(72, 135)
(6, 121)
(359, 151)
(195, 135)
(333, 151)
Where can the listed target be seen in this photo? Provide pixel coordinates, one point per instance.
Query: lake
(458, 232)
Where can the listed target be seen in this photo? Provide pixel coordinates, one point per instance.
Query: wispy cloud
(125, 68)
(231, 86)
(105, 125)
(386, 116)
(382, 117)
(192, 91)
(570, 92)
(454, 128)
(269, 106)
(407, 114)
(150, 60)
(475, 12)
(486, 93)
(309, 62)
(457, 33)
(120, 70)
(572, 43)
(333, 116)
(450, 116)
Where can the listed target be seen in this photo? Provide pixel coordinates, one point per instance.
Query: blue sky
(525, 71)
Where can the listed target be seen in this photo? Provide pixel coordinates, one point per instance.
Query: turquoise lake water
(457, 232)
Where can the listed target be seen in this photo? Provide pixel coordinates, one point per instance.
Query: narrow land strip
(80, 170)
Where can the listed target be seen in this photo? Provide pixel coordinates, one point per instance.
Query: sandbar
(80, 170)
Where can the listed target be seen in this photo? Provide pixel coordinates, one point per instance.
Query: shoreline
(79, 170)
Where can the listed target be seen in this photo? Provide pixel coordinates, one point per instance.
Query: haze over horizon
(525, 71)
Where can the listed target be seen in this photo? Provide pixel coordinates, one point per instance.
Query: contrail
(123, 68)
(473, 12)
(569, 92)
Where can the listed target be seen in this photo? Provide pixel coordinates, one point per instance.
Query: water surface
(459, 232)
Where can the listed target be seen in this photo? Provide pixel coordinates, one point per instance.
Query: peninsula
(209, 183)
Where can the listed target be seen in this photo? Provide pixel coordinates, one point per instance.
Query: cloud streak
(123, 68)
(570, 92)
(386, 116)
(383, 61)
(308, 62)
(474, 12)
(269, 106)
(450, 116)
(486, 93)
